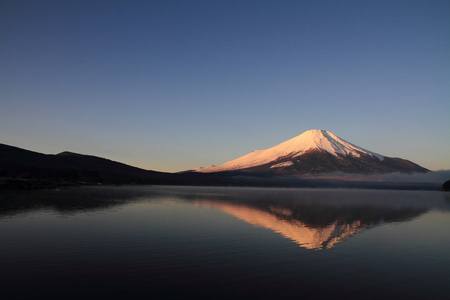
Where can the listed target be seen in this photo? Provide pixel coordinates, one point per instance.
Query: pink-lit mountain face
(316, 151)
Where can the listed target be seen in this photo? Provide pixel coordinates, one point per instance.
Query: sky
(174, 85)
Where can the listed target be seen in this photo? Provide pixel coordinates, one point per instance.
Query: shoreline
(26, 184)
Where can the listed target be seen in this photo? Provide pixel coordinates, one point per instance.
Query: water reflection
(196, 242)
(314, 219)
(70, 201)
(314, 226)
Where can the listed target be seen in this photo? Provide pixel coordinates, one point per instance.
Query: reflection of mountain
(314, 219)
(316, 227)
(300, 233)
(69, 201)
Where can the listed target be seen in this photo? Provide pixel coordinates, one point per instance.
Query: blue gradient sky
(173, 85)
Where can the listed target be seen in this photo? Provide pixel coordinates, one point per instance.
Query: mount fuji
(314, 152)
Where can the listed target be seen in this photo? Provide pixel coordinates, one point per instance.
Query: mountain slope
(24, 169)
(315, 151)
(71, 167)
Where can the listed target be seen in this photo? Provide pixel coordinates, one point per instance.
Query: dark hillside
(24, 169)
(70, 168)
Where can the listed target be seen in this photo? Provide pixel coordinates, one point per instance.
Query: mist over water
(211, 242)
(437, 177)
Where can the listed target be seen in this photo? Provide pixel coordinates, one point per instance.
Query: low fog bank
(416, 181)
(437, 177)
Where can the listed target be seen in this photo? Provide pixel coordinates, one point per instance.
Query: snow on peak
(283, 164)
(309, 140)
(325, 140)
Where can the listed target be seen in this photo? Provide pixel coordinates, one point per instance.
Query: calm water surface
(196, 242)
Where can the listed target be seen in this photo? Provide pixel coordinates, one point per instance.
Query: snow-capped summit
(315, 151)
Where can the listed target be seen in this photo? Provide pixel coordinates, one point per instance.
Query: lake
(165, 242)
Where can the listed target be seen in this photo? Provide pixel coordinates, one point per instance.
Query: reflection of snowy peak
(305, 236)
(314, 219)
(315, 151)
